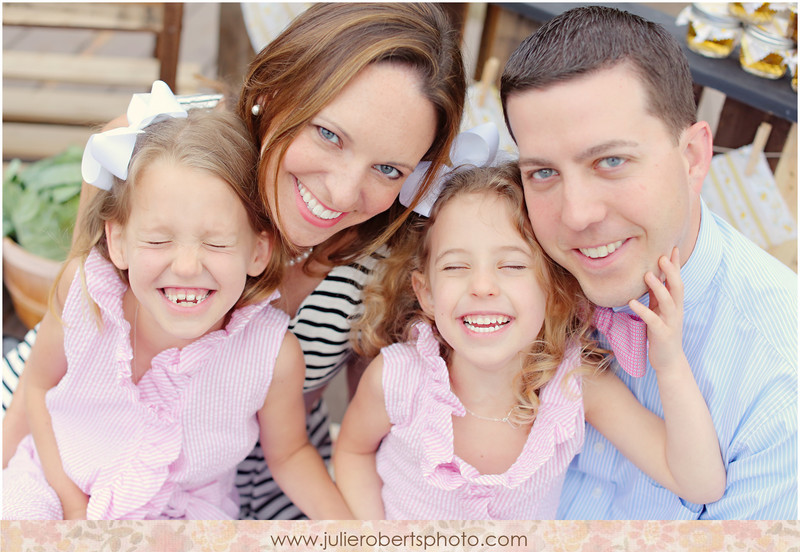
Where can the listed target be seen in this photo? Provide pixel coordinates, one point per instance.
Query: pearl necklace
(301, 257)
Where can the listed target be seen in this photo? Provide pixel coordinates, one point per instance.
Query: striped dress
(166, 447)
(424, 479)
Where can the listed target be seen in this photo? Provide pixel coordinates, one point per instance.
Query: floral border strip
(433, 536)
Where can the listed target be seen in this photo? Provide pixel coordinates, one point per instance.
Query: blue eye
(543, 174)
(389, 171)
(328, 135)
(611, 162)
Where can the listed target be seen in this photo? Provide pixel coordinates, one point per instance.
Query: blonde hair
(311, 62)
(391, 307)
(215, 142)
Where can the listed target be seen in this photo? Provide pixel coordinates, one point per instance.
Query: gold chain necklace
(133, 356)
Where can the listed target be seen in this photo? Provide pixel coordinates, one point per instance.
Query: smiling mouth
(186, 297)
(601, 251)
(486, 323)
(314, 206)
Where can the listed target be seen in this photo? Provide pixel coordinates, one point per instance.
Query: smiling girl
(162, 357)
(477, 413)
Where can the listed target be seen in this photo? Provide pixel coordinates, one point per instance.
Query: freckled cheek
(301, 159)
(379, 198)
(297, 163)
(298, 155)
(266, 184)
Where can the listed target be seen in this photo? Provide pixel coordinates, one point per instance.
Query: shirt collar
(704, 262)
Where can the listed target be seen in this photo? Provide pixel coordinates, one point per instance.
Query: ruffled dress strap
(554, 438)
(138, 485)
(140, 470)
(411, 368)
(558, 431)
(105, 287)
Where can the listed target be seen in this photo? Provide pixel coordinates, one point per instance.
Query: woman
(342, 106)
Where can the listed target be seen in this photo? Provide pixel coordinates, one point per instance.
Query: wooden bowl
(28, 279)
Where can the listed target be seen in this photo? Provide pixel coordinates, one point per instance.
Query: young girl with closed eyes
(478, 408)
(162, 360)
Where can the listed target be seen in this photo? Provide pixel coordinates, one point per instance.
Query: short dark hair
(591, 38)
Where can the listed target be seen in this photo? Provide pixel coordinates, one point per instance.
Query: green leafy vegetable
(40, 203)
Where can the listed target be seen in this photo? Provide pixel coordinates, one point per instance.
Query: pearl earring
(255, 110)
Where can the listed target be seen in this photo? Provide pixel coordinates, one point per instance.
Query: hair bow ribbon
(476, 147)
(109, 153)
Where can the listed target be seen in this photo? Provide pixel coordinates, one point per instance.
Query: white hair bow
(476, 147)
(109, 153)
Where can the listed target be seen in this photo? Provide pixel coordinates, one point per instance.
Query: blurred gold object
(753, 12)
(712, 31)
(791, 28)
(765, 54)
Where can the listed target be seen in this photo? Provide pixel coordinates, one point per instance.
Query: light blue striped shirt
(740, 336)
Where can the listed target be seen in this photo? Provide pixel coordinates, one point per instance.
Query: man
(600, 103)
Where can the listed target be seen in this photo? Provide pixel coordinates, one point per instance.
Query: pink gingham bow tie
(627, 335)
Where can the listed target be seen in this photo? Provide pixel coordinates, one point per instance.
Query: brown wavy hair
(317, 55)
(215, 142)
(391, 307)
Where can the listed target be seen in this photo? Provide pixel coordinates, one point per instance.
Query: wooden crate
(55, 99)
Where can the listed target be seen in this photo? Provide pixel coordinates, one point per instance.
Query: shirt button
(599, 447)
(597, 492)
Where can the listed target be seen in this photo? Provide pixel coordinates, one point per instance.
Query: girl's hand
(664, 318)
(683, 453)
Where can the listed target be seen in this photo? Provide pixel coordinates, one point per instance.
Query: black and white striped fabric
(322, 325)
(13, 363)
